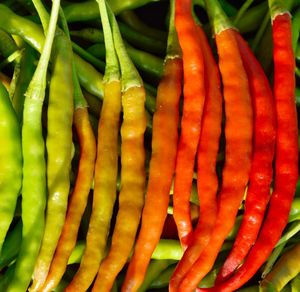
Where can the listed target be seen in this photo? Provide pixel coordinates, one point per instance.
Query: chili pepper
(146, 62)
(207, 180)
(130, 18)
(292, 230)
(59, 147)
(11, 162)
(7, 44)
(141, 41)
(194, 94)
(262, 162)
(106, 168)
(88, 57)
(252, 20)
(83, 183)
(131, 198)
(11, 246)
(286, 154)
(89, 78)
(238, 143)
(27, 68)
(34, 167)
(295, 29)
(7, 277)
(295, 283)
(162, 163)
(284, 270)
(88, 10)
(154, 269)
(90, 34)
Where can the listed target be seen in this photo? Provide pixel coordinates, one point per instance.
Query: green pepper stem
(43, 14)
(112, 71)
(277, 7)
(130, 75)
(36, 88)
(79, 100)
(173, 48)
(217, 16)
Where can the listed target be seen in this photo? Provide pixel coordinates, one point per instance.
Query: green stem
(296, 29)
(112, 71)
(43, 14)
(130, 75)
(79, 100)
(259, 35)
(242, 11)
(277, 7)
(217, 16)
(173, 47)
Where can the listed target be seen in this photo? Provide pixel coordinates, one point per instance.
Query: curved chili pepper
(59, 146)
(11, 162)
(238, 135)
(131, 198)
(78, 201)
(34, 167)
(286, 151)
(194, 94)
(261, 174)
(162, 163)
(284, 270)
(207, 180)
(106, 168)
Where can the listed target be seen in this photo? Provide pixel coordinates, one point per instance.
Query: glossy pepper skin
(194, 95)
(162, 163)
(34, 167)
(10, 162)
(207, 180)
(238, 137)
(59, 146)
(261, 174)
(286, 151)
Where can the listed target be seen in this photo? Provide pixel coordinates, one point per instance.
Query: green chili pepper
(252, 20)
(163, 279)
(11, 162)
(142, 41)
(34, 167)
(59, 150)
(11, 246)
(7, 44)
(296, 28)
(88, 10)
(131, 19)
(7, 277)
(284, 270)
(27, 68)
(155, 268)
(297, 93)
(90, 34)
(295, 284)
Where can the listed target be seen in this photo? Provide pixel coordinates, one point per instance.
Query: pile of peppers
(149, 145)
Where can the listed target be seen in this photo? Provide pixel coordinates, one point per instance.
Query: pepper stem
(130, 75)
(37, 86)
(173, 48)
(79, 100)
(277, 7)
(217, 16)
(112, 71)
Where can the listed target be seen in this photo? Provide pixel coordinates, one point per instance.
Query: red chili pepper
(286, 152)
(261, 174)
(194, 95)
(238, 135)
(207, 181)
